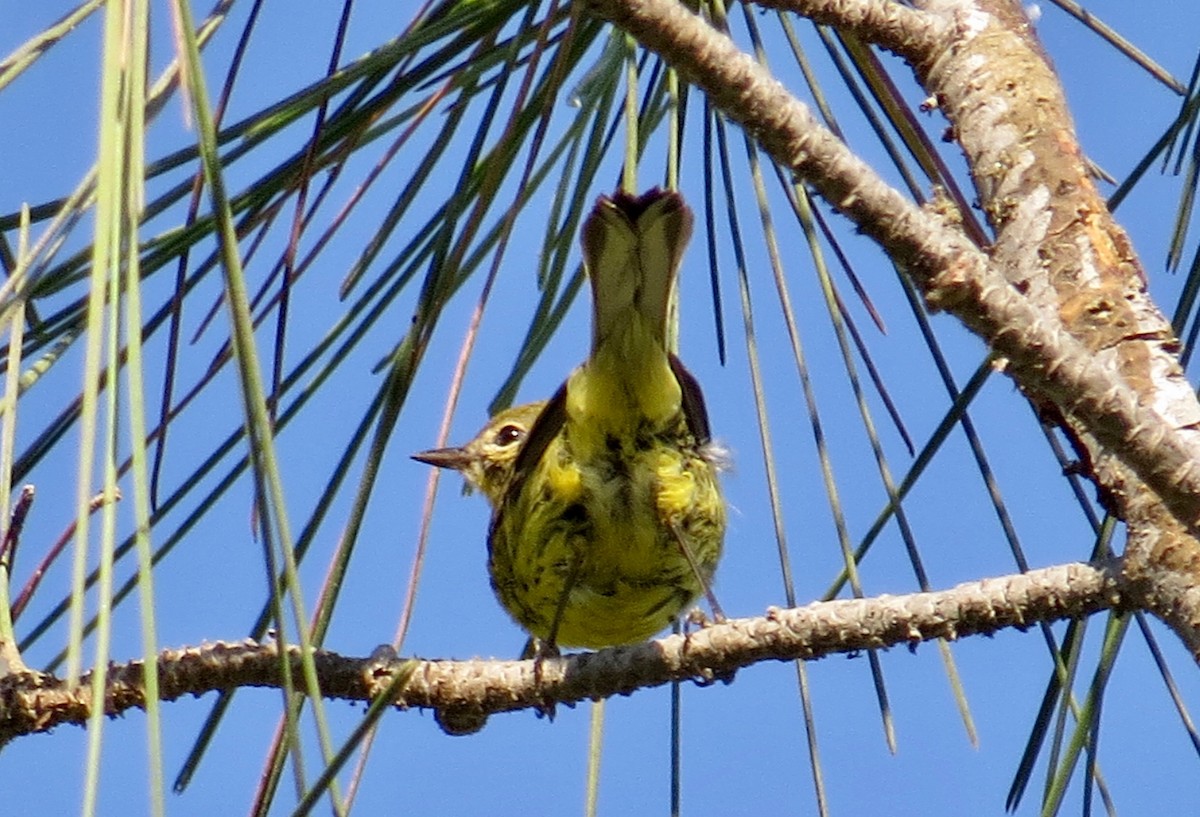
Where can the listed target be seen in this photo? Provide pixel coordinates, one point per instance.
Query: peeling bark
(1057, 244)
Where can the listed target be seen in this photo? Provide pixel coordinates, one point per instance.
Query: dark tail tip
(634, 206)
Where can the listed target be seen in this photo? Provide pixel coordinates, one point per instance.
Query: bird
(608, 519)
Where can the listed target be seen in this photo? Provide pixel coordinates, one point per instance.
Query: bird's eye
(509, 434)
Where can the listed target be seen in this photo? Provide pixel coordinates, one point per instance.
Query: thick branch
(465, 693)
(1058, 244)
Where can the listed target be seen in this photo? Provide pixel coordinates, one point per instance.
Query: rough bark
(1058, 245)
(464, 693)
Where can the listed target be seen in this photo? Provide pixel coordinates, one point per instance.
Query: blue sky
(744, 744)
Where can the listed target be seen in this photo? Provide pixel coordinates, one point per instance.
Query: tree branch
(907, 32)
(465, 693)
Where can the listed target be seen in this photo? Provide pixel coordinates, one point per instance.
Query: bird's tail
(632, 247)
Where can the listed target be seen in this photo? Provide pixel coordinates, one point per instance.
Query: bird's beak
(455, 458)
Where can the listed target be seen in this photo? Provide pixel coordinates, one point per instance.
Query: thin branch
(465, 693)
